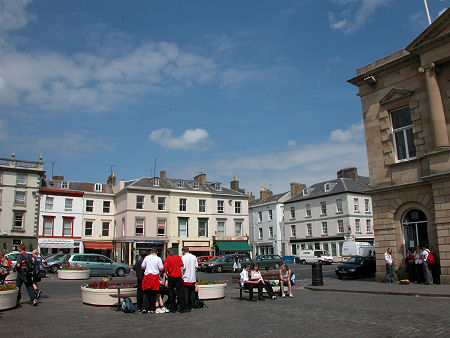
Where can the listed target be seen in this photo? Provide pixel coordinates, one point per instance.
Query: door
(415, 230)
(104, 265)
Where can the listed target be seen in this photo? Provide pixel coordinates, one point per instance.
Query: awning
(200, 248)
(232, 246)
(98, 245)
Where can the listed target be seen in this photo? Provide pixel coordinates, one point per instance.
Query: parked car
(315, 256)
(225, 263)
(98, 264)
(12, 256)
(268, 261)
(204, 266)
(357, 267)
(201, 260)
(54, 262)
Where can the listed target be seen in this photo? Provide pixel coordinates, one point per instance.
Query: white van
(357, 249)
(315, 256)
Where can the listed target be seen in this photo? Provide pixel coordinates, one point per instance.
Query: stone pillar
(436, 108)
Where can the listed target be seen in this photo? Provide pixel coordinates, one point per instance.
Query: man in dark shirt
(22, 277)
(174, 265)
(139, 272)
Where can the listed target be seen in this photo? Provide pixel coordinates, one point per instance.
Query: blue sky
(255, 89)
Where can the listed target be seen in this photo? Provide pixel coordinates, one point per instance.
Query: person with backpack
(427, 258)
(5, 267)
(39, 272)
(25, 268)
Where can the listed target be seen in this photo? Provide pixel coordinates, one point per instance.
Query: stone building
(406, 110)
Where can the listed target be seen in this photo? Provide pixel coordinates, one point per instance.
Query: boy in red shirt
(174, 267)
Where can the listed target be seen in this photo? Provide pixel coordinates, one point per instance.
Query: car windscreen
(355, 260)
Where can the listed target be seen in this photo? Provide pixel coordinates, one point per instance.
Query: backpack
(28, 266)
(127, 305)
(198, 303)
(430, 258)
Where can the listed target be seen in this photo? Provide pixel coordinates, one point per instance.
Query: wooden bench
(236, 279)
(122, 285)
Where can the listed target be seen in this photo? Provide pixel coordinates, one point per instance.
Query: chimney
(251, 197)
(264, 193)
(58, 178)
(351, 172)
(162, 175)
(200, 178)
(297, 188)
(111, 179)
(234, 184)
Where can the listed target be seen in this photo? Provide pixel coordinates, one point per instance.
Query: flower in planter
(6, 287)
(210, 282)
(98, 285)
(72, 267)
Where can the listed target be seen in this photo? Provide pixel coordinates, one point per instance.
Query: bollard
(317, 278)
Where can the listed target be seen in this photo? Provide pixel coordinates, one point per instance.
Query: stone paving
(313, 314)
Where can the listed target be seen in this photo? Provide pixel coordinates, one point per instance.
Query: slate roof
(76, 186)
(270, 199)
(338, 186)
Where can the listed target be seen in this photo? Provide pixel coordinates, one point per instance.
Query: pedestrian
(190, 266)
(24, 268)
(173, 265)
(418, 266)
(256, 276)
(249, 284)
(426, 268)
(237, 262)
(5, 267)
(389, 266)
(409, 264)
(139, 272)
(434, 267)
(39, 272)
(163, 290)
(152, 264)
(285, 279)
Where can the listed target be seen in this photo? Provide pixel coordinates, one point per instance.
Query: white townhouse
(266, 222)
(328, 213)
(60, 217)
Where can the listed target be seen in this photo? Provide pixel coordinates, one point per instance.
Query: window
(270, 232)
(105, 229)
(324, 228)
(106, 206)
(67, 226)
(237, 207)
(292, 213)
(88, 228)
(309, 229)
(97, 187)
(182, 227)
(305, 192)
(356, 204)
(182, 204)
(156, 182)
(49, 203)
(220, 228)
(259, 216)
(19, 219)
(68, 204)
(323, 207)
(139, 202)
(270, 215)
(403, 136)
(357, 226)
(217, 186)
(195, 185)
(48, 226)
(201, 205)
(308, 210)
(339, 205)
(180, 184)
(220, 207)
(64, 185)
(161, 227)
(326, 187)
(20, 198)
(238, 228)
(293, 231)
(21, 179)
(161, 203)
(367, 205)
(340, 223)
(369, 225)
(89, 205)
(139, 226)
(260, 233)
(202, 227)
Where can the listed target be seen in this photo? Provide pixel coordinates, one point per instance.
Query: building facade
(328, 213)
(20, 182)
(405, 103)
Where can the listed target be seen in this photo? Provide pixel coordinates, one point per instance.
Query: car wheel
(120, 272)
(276, 266)
(219, 269)
(303, 261)
(338, 275)
(54, 268)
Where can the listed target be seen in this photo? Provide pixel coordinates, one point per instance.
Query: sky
(253, 89)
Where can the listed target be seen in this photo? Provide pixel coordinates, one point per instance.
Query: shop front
(99, 247)
(198, 248)
(126, 250)
(229, 245)
(59, 245)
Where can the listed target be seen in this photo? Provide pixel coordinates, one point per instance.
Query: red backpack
(430, 258)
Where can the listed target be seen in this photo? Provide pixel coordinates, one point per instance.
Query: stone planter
(101, 296)
(212, 291)
(74, 274)
(12, 277)
(8, 299)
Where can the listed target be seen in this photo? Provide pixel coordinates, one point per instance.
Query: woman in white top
(389, 266)
(285, 279)
(256, 276)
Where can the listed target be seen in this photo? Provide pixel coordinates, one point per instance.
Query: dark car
(54, 262)
(225, 263)
(201, 260)
(357, 267)
(268, 261)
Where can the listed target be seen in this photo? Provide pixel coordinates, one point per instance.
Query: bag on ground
(293, 279)
(127, 305)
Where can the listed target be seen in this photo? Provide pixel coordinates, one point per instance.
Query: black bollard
(317, 278)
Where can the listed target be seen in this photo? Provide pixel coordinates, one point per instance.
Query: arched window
(415, 229)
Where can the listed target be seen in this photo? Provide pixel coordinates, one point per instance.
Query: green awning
(233, 246)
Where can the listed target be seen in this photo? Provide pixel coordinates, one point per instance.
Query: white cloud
(13, 15)
(354, 133)
(191, 139)
(291, 143)
(356, 14)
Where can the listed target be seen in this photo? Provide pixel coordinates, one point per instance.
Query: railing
(21, 163)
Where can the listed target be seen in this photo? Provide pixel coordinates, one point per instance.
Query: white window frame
(356, 204)
(86, 228)
(44, 227)
(21, 179)
(293, 230)
(324, 228)
(202, 231)
(107, 207)
(323, 208)
(201, 205)
(260, 216)
(64, 185)
(20, 202)
(358, 226)
(183, 228)
(97, 187)
(292, 213)
(104, 228)
(156, 182)
(367, 205)
(49, 203)
(161, 203)
(260, 233)
(340, 224)
(369, 226)
(308, 211)
(139, 223)
(237, 207)
(68, 204)
(221, 224)
(220, 206)
(270, 214)
(15, 218)
(195, 185)
(89, 204)
(139, 202)
(238, 228)
(183, 204)
(161, 223)
(71, 220)
(308, 229)
(270, 232)
(403, 131)
(339, 206)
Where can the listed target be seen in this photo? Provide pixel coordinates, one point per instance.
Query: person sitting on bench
(249, 285)
(256, 276)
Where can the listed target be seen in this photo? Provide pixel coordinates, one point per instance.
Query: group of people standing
(176, 278)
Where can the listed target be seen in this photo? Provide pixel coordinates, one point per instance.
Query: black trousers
(148, 303)
(29, 287)
(188, 297)
(251, 286)
(139, 294)
(175, 293)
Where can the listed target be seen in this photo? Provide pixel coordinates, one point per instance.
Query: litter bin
(317, 278)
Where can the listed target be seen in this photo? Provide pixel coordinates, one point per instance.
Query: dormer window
(326, 187)
(180, 184)
(217, 186)
(64, 185)
(97, 187)
(195, 185)
(156, 182)
(305, 192)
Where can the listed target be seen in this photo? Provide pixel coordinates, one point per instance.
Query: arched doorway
(415, 229)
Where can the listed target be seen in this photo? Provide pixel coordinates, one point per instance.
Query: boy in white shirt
(190, 266)
(249, 284)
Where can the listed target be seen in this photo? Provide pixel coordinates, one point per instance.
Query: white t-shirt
(244, 277)
(388, 258)
(152, 264)
(190, 266)
(425, 254)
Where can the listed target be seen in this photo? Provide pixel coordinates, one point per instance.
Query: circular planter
(74, 274)
(101, 296)
(212, 291)
(12, 276)
(8, 299)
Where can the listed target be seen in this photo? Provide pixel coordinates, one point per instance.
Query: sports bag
(430, 258)
(127, 305)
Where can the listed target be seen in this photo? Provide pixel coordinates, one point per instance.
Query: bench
(122, 285)
(236, 279)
